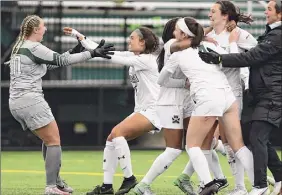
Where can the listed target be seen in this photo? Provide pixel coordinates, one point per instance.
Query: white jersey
(246, 41)
(143, 73)
(200, 74)
(172, 95)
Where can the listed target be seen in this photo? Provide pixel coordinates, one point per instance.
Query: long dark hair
(166, 36)
(233, 12)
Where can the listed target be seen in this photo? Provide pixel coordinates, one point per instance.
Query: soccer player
(264, 61)
(143, 74)
(28, 64)
(221, 13)
(213, 98)
(174, 105)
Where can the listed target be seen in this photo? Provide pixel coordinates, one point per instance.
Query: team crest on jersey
(176, 119)
(133, 78)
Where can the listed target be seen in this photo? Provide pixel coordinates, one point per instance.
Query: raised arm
(256, 56)
(43, 55)
(246, 40)
(168, 70)
(180, 45)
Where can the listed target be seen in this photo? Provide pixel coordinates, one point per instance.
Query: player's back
(25, 74)
(172, 96)
(199, 73)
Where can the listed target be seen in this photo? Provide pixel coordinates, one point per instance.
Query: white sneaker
(270, 180)
(276, 188)
(53, 190)
(238, 191)
(63, 186)
(259, 191)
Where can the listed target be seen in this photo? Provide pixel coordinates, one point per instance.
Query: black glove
(210, 57)
(77, 49)
(103, 50)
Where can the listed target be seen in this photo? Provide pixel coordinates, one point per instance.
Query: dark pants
(264, 154)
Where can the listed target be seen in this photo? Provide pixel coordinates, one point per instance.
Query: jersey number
(15, 66)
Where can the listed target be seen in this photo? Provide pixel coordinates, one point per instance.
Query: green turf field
(23, 172)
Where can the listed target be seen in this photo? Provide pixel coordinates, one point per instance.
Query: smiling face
(215, 15)
(135, 43)
(270, 12)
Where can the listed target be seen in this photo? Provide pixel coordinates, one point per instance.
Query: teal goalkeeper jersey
(30, 64)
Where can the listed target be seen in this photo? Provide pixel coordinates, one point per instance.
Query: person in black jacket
(265, 85)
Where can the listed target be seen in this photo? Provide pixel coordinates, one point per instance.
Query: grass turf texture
(22, 173)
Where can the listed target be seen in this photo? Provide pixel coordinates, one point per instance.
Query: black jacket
(265, 82)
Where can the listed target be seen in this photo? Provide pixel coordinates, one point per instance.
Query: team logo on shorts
(176, 119)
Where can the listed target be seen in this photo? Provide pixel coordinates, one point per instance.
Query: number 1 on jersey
(15, 66)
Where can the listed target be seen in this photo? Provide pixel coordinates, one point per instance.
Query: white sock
(208, 156)
(246, 158)
(220, 147)
(230, 158)
(110, 162)
(189, 169)
(240, 174)
(161, 164)
(200, 163)
(123, 154)
(215, 167)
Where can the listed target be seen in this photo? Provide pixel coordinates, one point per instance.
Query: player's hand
(234, 35)
(103, 50)
(231, 25)
(210, 57)
(77, 49)
(74, 33)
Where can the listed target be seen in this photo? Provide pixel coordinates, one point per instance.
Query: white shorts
(188, 106)
(151, 114)
(171, 117)
(212, 102)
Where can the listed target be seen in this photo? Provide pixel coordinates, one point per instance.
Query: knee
(116, 132)
(110, 137)
(52, 140)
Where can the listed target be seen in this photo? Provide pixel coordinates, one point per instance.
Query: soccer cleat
(141, 189)
(221, 183)
(276, 189)
(101, 190)
(63, 186)
(127, 185)
(53, 190)
(184, 183)
(238, 191)
(259, 191)
(210, 188)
